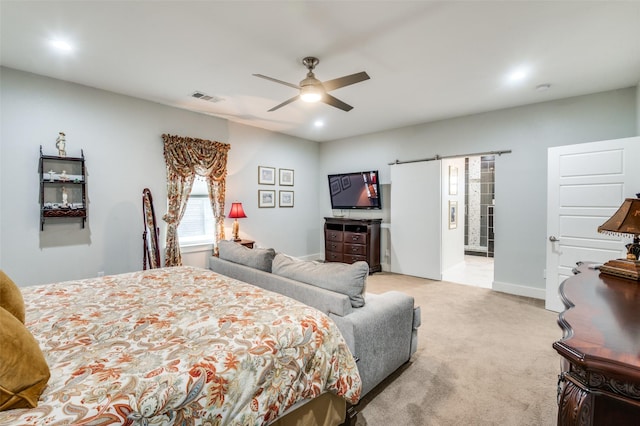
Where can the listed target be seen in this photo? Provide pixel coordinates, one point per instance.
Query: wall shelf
(63, 188)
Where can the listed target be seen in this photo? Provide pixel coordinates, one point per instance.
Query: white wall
(452, 238)
(520, 176)
(638, 109)
(121, 139)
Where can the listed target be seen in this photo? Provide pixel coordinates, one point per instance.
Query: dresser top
(601, 324)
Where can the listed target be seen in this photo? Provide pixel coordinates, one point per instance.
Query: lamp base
(629, 269)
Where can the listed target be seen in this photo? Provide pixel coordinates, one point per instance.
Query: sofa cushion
(24, 372)
(349, 279)
(11, 297)
(259, 258)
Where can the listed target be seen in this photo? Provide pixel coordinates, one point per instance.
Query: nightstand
(246, 243)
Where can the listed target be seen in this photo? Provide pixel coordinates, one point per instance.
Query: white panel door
(586, 185)
(416, 219)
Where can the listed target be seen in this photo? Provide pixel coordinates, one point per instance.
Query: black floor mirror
(151, 255)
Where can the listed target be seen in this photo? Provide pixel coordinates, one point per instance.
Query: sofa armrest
(380, 334)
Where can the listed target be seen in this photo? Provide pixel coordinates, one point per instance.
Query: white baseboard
(519, 290)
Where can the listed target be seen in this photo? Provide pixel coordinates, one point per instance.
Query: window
(197, 225)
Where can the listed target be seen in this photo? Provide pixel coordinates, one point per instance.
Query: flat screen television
(357, 190)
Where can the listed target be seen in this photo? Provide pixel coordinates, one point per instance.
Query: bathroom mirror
(151, 255)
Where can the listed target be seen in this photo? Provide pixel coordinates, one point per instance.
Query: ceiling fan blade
(287, 102)
(295, 86)
(335, 102)
(337, 83)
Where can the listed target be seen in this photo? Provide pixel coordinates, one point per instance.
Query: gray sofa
(380, 329)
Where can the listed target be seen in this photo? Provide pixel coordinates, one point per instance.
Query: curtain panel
(185, 158)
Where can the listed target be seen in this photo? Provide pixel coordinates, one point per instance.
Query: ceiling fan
(313, 90)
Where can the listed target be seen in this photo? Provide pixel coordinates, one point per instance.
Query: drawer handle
(354, 250)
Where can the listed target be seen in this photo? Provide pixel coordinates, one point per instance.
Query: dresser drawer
(355, 237)
(331, 235)
(332, 256)
(351, 258)
(355, 249)
(333, 246)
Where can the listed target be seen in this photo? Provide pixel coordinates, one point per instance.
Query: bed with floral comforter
(179, 345)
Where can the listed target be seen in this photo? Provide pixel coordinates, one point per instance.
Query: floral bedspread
(179, 345)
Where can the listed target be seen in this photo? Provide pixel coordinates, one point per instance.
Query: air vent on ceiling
(205, 97)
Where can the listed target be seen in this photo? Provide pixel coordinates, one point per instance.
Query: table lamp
(625, 222)
(235, 213)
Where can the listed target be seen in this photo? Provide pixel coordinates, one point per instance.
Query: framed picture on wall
(453, 214)
(266, 175)
(286, 199)
(266, 198)
(453, 180)
(286, 177)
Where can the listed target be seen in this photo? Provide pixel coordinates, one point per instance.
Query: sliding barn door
(416, 219)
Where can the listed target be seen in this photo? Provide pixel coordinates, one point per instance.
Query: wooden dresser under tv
(351, 240)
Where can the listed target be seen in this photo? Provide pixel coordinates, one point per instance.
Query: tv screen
(357, 190)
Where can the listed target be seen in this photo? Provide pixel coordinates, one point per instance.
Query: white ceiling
(428, 60)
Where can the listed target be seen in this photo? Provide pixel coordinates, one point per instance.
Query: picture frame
(453, 214)
(286, 199)
(286, 177)
(335, 186)
(266, 175)
(345, 182)
(453, 180)
(266, 198)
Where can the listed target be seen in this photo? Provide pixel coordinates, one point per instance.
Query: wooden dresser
(351, 240)
(600, 379)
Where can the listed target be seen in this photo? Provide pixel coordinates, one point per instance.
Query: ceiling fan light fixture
(313, 90)
(310, 94)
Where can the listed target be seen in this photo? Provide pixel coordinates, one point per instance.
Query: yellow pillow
(24, 372)
(11, 297)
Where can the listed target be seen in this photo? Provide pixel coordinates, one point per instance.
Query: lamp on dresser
(625, 222)
(236, 212)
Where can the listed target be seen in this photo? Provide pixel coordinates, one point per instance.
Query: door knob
(553, 239)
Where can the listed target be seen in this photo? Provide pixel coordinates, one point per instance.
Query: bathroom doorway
(479, 179)
(479, 222)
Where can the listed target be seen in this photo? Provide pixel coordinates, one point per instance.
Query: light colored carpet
(484, 358)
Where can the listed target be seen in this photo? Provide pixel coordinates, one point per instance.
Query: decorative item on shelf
(236, 212)
(625, 222)
(61, 145)
(51, 175)
(63, 176)
(65, 197)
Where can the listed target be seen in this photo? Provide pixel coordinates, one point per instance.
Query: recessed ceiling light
(518, 75)
(61, 45)
(318, 123)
